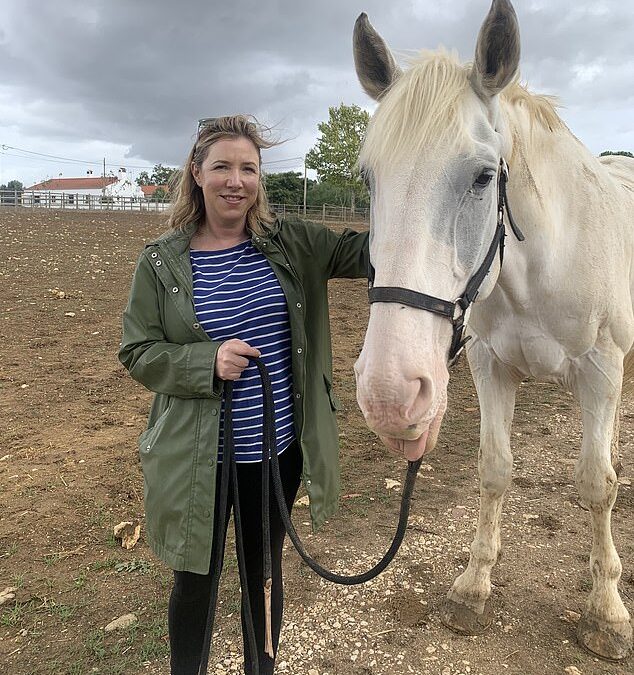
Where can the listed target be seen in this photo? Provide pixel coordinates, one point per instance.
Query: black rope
(229, 471)
(270, 467)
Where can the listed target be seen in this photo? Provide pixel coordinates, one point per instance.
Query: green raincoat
(165, 349)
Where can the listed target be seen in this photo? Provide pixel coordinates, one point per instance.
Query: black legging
(190, 596)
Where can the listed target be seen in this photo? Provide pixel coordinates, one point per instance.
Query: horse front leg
(466, 609)
(604, 627)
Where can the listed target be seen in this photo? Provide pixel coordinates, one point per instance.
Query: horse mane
(423, 105)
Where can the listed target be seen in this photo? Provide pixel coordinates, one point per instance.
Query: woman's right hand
(231, 359)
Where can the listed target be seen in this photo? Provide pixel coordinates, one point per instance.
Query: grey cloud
(140, 73)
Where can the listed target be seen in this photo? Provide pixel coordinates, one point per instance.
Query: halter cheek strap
(455, 311)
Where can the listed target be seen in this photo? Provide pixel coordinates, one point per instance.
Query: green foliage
(10, 191)
(335, 154)
(159, 195)
(286, 187)
(143, 178)
(625, 153)
(13, 185)
(141, 566)
(161, 175)
(327, 193)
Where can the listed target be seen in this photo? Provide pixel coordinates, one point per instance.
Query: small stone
(570, 617)
(572, 670)
(69, 314)
(7, 594)
(390, 484)
(128, 533)
(124, 621)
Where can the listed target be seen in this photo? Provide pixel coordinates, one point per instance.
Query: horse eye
(484, 179)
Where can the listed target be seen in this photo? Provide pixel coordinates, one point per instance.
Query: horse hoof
(609, 641)
(464, 620)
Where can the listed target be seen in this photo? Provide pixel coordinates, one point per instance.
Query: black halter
(455, 311)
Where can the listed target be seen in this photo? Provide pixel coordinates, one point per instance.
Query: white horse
(559, 309)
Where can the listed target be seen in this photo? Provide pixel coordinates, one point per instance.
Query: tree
(335, 154)
(11, 191)
(625, 153)
(160, 195)
(286, 187)
(160, 175)
(327, 193)
(143, 178)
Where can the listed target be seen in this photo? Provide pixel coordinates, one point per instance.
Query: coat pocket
(147, 437)
(335, 403)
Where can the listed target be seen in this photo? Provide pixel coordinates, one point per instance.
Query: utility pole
(304, 186)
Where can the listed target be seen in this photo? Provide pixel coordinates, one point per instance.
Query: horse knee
(495, 472)
(596, 483)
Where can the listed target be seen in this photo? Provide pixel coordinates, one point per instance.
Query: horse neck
(556, 185)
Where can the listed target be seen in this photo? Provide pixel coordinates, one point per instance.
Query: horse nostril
(423, 401)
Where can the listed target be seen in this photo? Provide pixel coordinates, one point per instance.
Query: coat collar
(178, 240)
(175, 245)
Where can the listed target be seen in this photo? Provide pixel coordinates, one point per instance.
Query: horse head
(432, 155)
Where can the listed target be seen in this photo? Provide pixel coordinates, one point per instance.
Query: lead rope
(229, 471)
(271, 467)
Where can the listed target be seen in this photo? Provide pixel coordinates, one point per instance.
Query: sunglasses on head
(204, 123)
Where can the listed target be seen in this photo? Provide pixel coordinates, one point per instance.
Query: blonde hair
(188, 205)
(425, 103)
(422, 103)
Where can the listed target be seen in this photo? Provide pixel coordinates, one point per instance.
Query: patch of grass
(15, 615)
(153, 643)
(93, 644)
(11, 549)
(98, 518)
(64, 612)
(140, 566)
(80, 580)
(113, 669)
(122, 651)
(51, 559)
(107, 564)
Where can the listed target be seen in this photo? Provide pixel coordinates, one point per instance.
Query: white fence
(79, 201)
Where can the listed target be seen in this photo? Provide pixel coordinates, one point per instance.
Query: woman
(229, 282)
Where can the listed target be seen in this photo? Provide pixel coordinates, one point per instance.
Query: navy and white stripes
(237, 295)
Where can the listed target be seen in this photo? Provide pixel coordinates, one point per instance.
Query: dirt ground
(69, 472)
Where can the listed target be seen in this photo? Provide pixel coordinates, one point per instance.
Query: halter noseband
(455, 311)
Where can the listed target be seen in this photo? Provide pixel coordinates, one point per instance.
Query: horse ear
(497, 55)
(375, 65)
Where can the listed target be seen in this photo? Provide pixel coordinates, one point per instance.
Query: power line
(43, 159)
(70, 160)
(278, 161)
(67, 160)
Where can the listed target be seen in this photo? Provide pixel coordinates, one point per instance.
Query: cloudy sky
(127, 80)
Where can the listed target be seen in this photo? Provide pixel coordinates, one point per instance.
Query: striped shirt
(237, 295)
